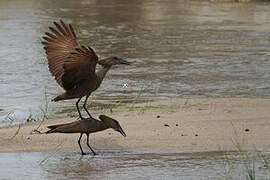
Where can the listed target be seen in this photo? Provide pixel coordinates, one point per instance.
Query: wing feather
(68, 62)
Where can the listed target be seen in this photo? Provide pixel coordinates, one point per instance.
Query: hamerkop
(74, 65)
(87, 126)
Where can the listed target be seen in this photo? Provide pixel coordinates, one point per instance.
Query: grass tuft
(44, 113)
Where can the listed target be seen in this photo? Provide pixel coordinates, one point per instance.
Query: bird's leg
(79, 142)
(84, 106)
(87, 142)
(77, 105)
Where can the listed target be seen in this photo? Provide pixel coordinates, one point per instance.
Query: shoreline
(166, 126)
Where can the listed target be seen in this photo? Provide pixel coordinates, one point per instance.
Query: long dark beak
(121, 131)
(122, 61)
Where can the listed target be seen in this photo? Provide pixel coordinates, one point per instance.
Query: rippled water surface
(178, 48)
(122, 165)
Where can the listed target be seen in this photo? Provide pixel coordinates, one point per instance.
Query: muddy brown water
(179, 48)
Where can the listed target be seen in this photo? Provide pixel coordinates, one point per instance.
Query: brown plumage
(73, 65)
(87, 126)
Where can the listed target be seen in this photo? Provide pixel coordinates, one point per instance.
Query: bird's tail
(59, 98)
(55, 128)
(52, 128)
(50, 131)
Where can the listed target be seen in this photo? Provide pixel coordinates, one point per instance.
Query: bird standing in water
(73, 65)
(87, 126)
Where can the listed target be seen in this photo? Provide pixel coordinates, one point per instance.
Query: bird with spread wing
(74, 65)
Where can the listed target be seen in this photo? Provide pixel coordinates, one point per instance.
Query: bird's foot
(94, 154)
(83, 153)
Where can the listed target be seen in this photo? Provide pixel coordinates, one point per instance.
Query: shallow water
(179, 48)
(122, 165)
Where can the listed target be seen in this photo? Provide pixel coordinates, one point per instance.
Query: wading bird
(73, 65)
(87, 126)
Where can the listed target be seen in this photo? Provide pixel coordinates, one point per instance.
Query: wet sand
(168, 126)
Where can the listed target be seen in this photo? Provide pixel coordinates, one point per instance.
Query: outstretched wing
(68, 62)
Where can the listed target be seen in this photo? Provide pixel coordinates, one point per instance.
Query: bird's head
(112, 123)
(113, 60)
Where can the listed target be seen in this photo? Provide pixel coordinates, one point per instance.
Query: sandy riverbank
(173, 126)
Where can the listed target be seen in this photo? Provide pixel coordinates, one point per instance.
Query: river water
(178, 48)
(116, 165)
